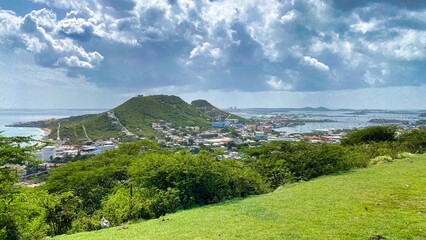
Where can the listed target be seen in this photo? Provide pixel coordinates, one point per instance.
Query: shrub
(380, 160)
(283, 162)
(414, 141)
(370, 134)
(199, 179)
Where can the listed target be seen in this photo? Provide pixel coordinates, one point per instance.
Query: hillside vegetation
(384, 201)
(140, 112)
(214, 112)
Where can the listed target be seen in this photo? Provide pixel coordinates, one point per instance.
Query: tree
(13, 151)
(61, 211)
(370, 134)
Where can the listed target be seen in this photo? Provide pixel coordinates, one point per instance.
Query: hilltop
(384, 201)
(140, 112)
(132, 118)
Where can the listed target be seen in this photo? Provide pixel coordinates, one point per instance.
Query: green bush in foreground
(199, 179)
(284, 162)
(371, 134)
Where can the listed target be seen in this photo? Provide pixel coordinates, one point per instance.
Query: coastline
(45, 133)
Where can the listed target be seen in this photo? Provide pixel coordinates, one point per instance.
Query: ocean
(9, 116)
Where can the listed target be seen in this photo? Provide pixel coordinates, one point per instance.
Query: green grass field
(387, 200)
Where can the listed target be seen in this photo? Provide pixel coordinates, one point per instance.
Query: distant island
(386, 121)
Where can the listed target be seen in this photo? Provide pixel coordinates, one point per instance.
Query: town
(224, 134)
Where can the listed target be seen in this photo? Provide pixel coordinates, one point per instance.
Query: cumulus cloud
(245, 45)
(278, 84)
(78, 28)
(205, 49)
(315, 63)
(408, 44)
(39, 32)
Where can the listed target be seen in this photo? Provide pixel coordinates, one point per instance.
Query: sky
(233, 53)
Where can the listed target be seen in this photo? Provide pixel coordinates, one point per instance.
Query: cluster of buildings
(50, 153)
(229, 132)
(224, 133)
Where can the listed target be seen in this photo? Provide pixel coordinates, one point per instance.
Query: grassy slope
(388, 199)
(98, 126)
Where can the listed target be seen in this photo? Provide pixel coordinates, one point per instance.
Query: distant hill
(214, 112)
(133, 117)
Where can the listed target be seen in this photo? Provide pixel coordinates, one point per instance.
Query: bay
(9, 116)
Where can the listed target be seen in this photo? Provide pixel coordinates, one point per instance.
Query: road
(85, 133)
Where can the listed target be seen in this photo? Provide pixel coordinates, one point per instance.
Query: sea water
(337, 120)
(9, 116)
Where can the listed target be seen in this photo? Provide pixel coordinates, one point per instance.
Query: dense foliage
(140, 180)
(286, 162)
(17, 219)
(371, 134)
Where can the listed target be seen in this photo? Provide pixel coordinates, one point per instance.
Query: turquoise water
(9, 116)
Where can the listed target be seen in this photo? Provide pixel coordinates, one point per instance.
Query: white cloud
(75, 26)
(315, 63)
(9, 23)
(206, 49)
(36, 33)
(278, 84)
(44, 18)
(289, 16)
(409, 45)
(365, 27)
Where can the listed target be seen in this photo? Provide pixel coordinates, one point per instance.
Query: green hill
(214, 112)
(134, 116)
(386, 201)
(140, 112)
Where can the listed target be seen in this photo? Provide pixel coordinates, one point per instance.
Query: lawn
(388, 200)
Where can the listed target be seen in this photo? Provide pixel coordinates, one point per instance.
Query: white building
(48, 153)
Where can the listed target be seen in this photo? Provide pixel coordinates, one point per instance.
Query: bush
(283, 162)
(24, 216)
(414, 141)
(84, 222)
(380, 160)
(62, 209)
(370, 134)
(199, 179)
(93, 179)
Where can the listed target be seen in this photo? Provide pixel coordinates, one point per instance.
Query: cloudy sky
(244, 53)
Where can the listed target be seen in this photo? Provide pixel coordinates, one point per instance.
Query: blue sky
(244, 53)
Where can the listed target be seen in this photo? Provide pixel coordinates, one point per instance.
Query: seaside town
(225, 134)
